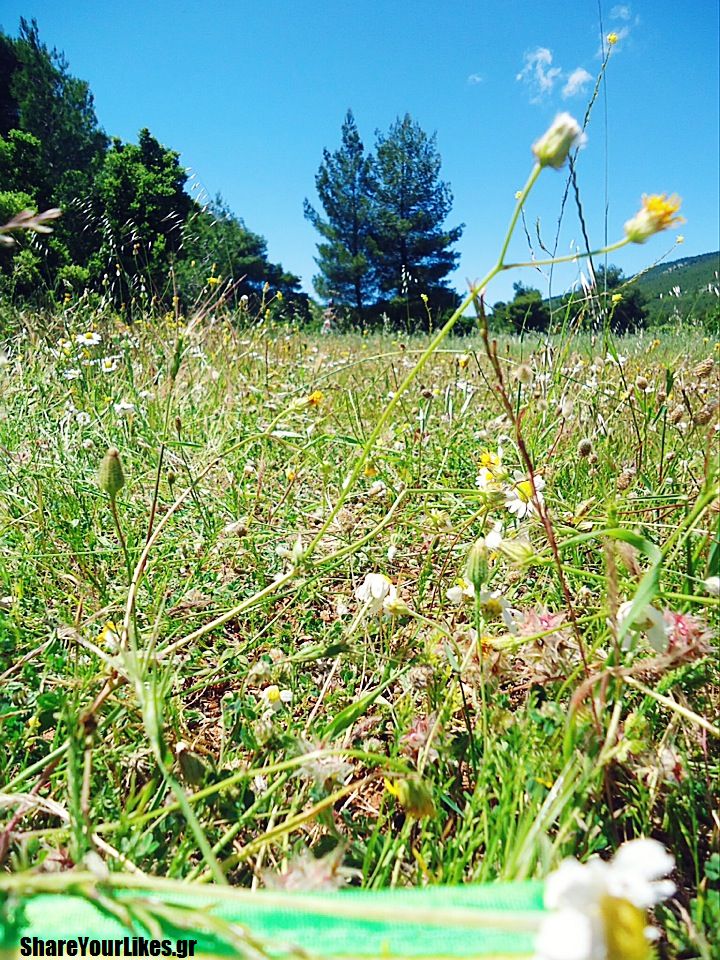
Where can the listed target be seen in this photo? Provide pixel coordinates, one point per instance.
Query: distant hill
(688, 287)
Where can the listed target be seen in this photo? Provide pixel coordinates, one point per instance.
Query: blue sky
(250, 93)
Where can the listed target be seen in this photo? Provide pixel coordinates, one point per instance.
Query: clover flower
(658, 212)
(598, 908)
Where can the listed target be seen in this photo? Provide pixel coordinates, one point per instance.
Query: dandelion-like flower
(598, 908)
(658, 212)
(612, 39)
(553, 147)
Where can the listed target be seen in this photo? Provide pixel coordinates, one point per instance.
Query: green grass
(161, 747)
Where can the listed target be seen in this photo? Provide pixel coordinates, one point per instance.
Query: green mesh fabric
(315, 926)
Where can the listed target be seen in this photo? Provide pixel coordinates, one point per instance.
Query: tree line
(132, 233)
(385, 248)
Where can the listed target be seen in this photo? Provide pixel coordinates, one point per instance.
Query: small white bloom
(583, 899)
(649, 621)
(374, 590)
(520, 497)
(712, 586)
(124, 408)
(89, 339)
(82, 418)
(108, 364)
(274, 698)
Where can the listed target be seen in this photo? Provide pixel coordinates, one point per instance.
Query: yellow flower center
(625, 926)
(662, 209)
(524, 490)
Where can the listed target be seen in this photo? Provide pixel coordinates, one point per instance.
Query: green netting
(494, 920)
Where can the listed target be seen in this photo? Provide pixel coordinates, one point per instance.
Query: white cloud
(620, 12)
(475, 78)
(576, 82)
(539, 73)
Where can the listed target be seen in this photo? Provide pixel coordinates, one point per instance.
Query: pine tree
(412, 254)
(345, 185)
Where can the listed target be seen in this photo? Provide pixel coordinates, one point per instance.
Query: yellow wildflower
(658, 212)
(612, 39)
(617, 298)
(315, 398)
(489, 460)
(213, 281)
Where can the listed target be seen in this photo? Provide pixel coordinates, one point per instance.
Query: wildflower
(490, 461)
(375, 591)
(370, 470)
(616, 298)
(486, 481)
(657, 213)
(649, 621)
(461, 590)
(323, 771)
(414, 796)
(520, 498)
(274, 698)
(584, 448)
(464, 360)
(294, 555)
(612, 39)
(417, 740)
(553, 147)
(598, 908)
(518, 551)
(712, 586)
(523, 373)
(213, 281)
(124, 408)
(306, 872)
(89, 339)
(108, 364)
(315, 398)
(679, 238)
(685, 632)
(110, 636)
(82, 419)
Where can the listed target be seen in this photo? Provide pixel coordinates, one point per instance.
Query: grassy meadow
(303, 628)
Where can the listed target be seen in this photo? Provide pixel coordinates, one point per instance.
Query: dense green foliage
(129, 230)
(384, 248)
(682, 289)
